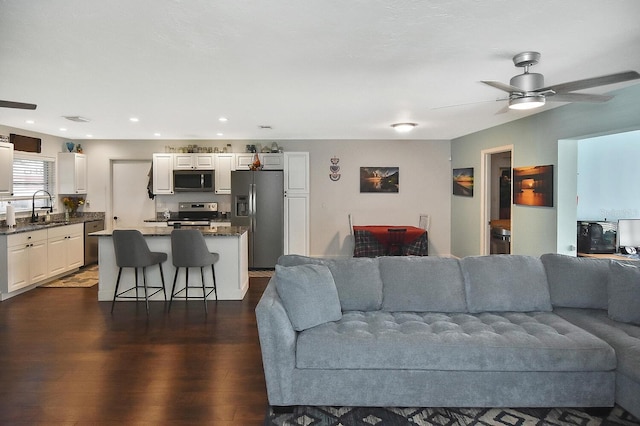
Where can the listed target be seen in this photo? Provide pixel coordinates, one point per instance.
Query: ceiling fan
(19, 105)
(527, 90)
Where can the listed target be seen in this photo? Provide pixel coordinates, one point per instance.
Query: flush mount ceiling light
(77, 118)
(134, 119)
(403, 127)
(527, 102)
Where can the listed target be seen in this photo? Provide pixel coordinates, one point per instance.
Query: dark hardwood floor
(65, 359)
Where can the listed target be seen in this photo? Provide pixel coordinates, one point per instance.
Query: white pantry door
(131, 204)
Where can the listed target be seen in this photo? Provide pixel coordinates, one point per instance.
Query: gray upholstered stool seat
(189, 249)
(132, 251)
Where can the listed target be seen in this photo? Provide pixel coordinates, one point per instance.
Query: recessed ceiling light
(223, 119)
(403, 127)
(89, 136)
(134, 119)
(157, 134)
(30, 122)
(220, 134)
(63, 129)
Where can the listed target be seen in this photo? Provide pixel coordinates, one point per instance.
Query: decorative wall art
(533, 186)
(334, 169)
(463, 182)
(379, 179)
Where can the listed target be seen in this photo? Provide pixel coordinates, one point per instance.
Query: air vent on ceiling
(77, 118)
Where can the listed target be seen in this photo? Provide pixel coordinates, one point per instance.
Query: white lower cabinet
(65, 248)
(26, 260)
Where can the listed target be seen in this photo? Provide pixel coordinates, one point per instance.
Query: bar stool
(132, 251)
(189, 249)
(396, 241)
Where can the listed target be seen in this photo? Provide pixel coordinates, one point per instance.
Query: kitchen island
(232, 270)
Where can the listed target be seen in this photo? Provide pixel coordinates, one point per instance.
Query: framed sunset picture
(463, 182)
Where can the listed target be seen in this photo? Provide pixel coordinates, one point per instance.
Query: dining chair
(395, 238)
(189, 250)
(132, 251)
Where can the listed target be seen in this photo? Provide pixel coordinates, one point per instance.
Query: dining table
(375, 240)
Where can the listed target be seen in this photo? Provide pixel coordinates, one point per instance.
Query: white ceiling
(313, 69)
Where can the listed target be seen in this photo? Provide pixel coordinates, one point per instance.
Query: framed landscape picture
(379, 179)
(533, 186)
(463, 182)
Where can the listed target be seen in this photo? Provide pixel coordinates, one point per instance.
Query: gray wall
(535, 141)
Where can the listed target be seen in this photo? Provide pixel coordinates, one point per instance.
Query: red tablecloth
(373, 240)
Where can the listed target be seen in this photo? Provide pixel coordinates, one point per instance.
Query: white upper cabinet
(224, 164)
(268, 161)
(6, 168)
(163, 173)
(296, 173)
(72, 173)
(193, 162)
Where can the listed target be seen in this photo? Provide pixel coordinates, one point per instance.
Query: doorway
(130, 202)
(496, 190)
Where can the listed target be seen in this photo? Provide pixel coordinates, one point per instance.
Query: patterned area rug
(85, 277)
(368, 416)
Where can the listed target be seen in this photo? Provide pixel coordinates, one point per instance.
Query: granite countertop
(28, 226)
(165, 231)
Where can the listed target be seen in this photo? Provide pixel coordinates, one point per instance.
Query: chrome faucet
(34, 216)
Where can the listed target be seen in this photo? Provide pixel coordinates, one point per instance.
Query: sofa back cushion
(422, 284)
(576, 282)
(624, 292)
(308, 294)
(500, 283)
(357, 279)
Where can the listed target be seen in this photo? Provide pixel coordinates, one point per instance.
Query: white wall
(535, 140)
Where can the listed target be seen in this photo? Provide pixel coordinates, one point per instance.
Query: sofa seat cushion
(625, 338)
(506, 341)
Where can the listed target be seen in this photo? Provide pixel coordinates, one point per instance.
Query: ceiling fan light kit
(403, 127)
(528, 102)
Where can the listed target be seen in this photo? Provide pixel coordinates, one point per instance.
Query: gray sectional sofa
(482, 331)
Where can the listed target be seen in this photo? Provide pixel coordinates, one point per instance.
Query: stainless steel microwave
(193, 180)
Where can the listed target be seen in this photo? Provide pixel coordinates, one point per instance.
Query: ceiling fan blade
(470, 103)
(19, 105)
(503, 110)
(578, 97)
(588, 83)
(502, 86)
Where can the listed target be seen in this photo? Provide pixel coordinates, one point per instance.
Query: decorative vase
(70, 146)
(66, 215)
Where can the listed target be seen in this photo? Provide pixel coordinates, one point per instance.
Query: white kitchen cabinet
(6, 168)
(268, 161)
(72, 173)
(163, 173)
(26, 260)
(296, 224)
(224, 164)
(65, 248)
(296, 173)
(193, 162)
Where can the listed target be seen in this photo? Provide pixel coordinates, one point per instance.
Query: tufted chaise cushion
(539, 341)
(422, 284)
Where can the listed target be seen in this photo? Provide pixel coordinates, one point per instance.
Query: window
(31, 174)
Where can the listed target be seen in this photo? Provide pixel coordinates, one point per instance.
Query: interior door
(131, 204)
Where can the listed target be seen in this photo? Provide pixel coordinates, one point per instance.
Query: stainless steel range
(194, 214)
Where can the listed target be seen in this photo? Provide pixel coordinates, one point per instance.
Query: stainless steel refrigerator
(258, 202)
